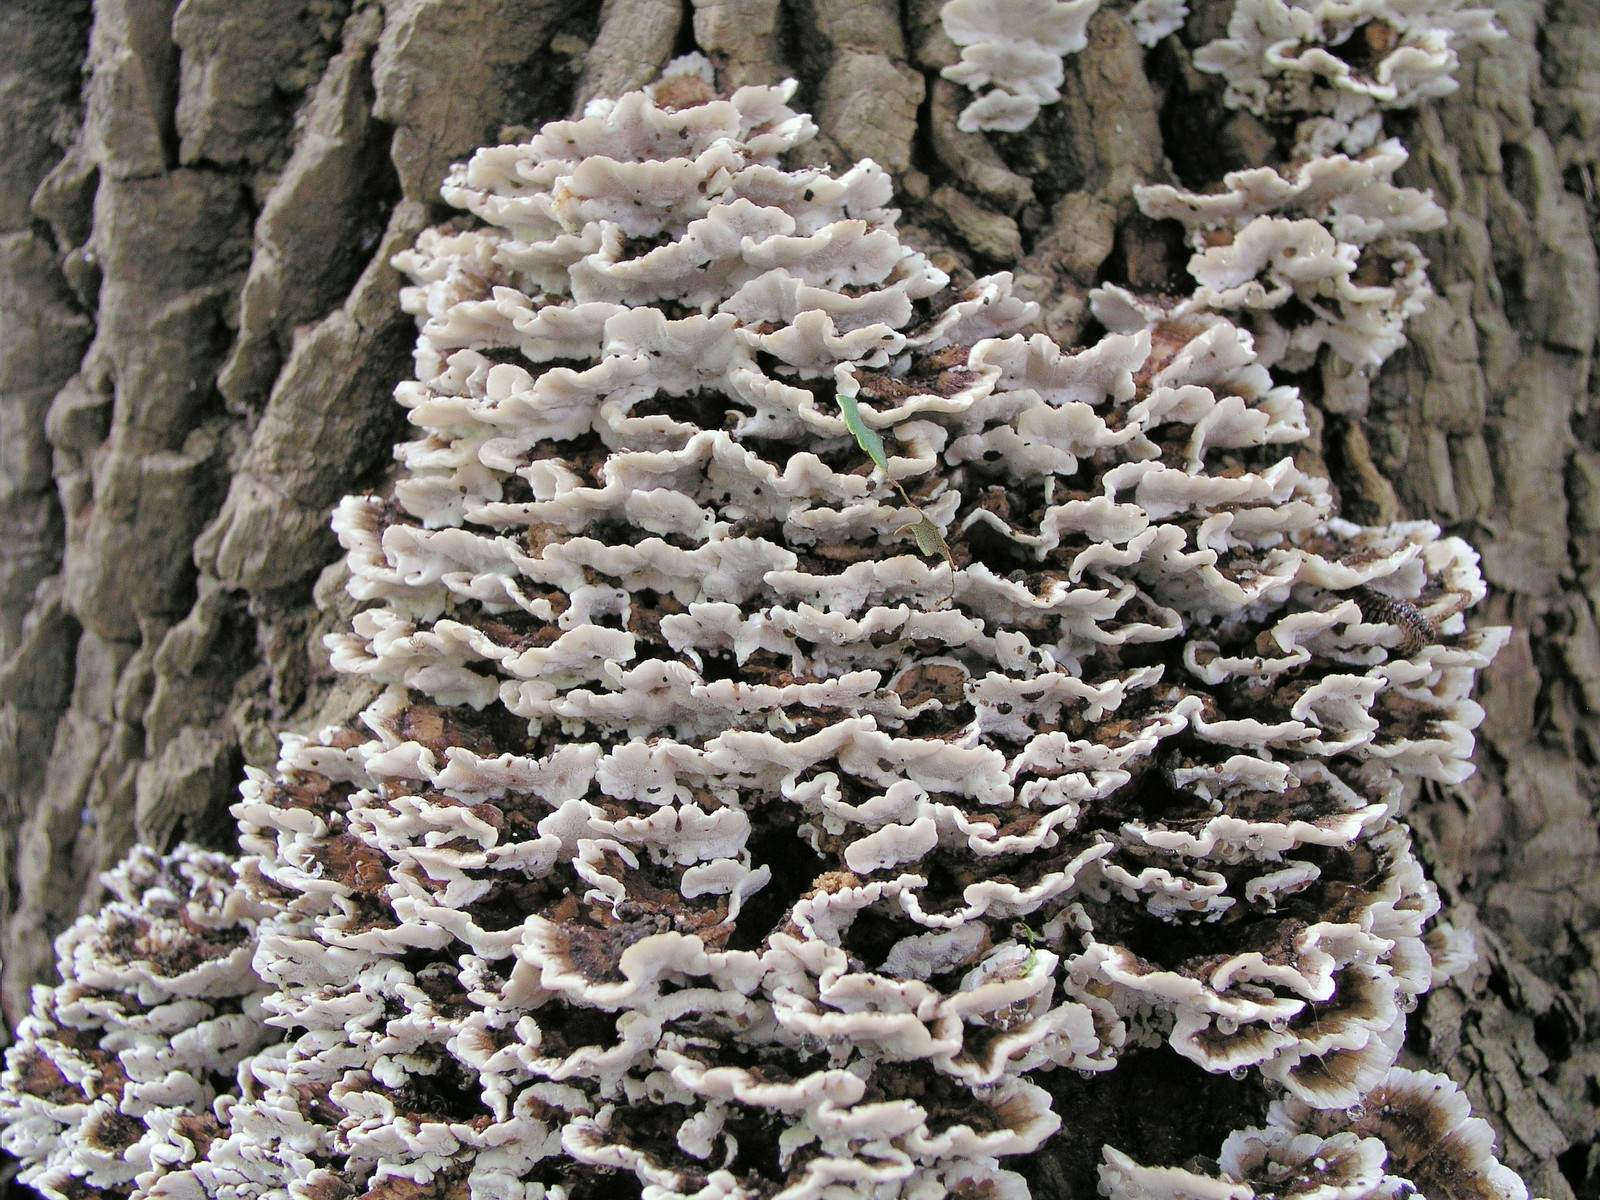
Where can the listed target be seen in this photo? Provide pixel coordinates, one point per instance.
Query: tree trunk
(201, 333)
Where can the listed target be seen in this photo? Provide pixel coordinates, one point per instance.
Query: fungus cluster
(1015, 49)
(1333, 67)
(711, 839)
(1315, 257)
(1317, 262)
(122, 1077)
(1413, 1135)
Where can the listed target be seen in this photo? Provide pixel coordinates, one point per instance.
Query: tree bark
(201, 333)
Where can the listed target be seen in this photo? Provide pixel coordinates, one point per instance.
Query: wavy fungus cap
(1015, 48)
(1316, 261)
(1342, 61)
(710, 839)
(1413, 1136)
(122, 1077)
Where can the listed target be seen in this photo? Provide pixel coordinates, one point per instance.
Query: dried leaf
(928, 538)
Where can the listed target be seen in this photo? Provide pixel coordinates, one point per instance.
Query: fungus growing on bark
(1315, 257)
(1413, 1136)
(1336, 65)
(1318, 258)
(122, 1078)
(1014, 48)
(1153, 20)
(711, 838)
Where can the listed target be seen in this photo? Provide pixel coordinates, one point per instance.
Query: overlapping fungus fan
(1333, 66)
(1014, 47)
(1316, 257)
(1413, 1136)
(112, 1087)
(1317, 262)
(708, 835)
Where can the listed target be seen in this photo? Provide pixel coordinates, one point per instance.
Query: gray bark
(200, 334)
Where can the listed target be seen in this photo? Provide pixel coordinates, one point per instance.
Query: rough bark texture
(199, 333)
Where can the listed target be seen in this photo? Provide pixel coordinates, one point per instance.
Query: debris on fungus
(713, 839)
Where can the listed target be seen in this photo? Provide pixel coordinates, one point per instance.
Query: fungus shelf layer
(707, 837)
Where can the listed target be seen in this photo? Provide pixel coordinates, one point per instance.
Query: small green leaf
(1032, 960)
(868, 439)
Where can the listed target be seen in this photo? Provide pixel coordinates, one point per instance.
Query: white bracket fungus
(1412, 1136)
(1339, 63)
(1015, 48)
(1317, 264)
(122, 1078)
(1315, 258)
(1153, 20)
(711, 840)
